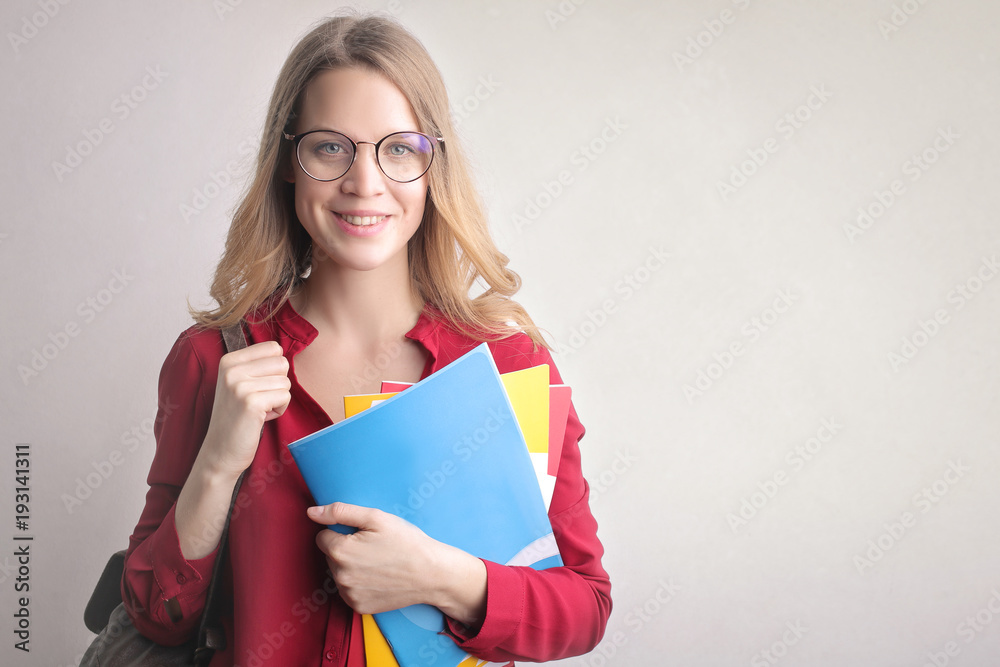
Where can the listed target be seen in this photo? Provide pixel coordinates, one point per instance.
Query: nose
(365, 177)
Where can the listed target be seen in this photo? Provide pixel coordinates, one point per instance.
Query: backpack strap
(211, 634)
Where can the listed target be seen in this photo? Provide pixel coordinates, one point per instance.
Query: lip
(363, 212)
(355, 230)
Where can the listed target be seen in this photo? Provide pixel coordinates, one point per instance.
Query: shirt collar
(427, 330)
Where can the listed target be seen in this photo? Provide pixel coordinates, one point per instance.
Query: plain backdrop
(762, 236)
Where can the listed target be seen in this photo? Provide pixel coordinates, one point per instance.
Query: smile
(362, 221)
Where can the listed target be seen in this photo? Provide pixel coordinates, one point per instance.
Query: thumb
(345, 514)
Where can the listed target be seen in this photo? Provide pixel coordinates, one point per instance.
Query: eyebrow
(327, 129)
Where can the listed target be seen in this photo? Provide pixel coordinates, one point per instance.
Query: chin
(360, 261)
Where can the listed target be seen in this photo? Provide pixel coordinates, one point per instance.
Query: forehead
(359, 102)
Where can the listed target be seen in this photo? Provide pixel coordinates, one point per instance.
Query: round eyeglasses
(326, 155)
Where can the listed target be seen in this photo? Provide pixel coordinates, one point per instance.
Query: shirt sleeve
(163, 592)
(541, 615)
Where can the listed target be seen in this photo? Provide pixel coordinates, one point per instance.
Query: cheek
(414, 200)
(307, 199)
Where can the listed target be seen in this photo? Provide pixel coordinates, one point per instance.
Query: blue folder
(447, 455)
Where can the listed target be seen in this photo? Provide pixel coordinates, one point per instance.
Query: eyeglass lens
(402, 156)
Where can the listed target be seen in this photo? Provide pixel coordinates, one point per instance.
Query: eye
(330, 148)
(400, 149)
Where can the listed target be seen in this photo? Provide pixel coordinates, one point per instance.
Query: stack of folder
(467, 455)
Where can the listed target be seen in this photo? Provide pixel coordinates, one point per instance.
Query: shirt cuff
(178, 578)
(504, 606)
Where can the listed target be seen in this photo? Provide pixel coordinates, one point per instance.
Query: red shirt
(287, 611)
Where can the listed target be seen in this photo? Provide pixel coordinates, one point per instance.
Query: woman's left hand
(390, 563)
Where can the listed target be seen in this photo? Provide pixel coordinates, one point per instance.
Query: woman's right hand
(253, 387)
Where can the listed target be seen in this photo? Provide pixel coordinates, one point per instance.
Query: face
(362, 220)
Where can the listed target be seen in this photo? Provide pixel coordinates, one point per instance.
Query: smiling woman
(354, 249)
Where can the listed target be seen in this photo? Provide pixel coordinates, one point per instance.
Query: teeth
(362, 221)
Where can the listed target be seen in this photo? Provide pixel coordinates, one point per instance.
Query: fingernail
(314, 511)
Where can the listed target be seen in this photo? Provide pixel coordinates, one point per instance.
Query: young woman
(354, 250)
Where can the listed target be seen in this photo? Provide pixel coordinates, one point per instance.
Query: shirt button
(181, 579)
(330, 655)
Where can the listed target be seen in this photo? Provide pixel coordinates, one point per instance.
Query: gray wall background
(834, 380)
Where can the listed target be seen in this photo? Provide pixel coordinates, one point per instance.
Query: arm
(554, 613)
(203, 444)
(156, 570)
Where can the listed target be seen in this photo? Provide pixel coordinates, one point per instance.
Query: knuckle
(241, 391)
(232, 384)
(334, 552)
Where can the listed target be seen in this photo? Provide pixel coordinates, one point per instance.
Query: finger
(345, 514)
(268, 348)
(263, 396)
(329, 542)
(260, 385)
(233, 370)
(279, 401)
(264, 367)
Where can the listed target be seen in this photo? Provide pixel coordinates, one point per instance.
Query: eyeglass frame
(297, 139)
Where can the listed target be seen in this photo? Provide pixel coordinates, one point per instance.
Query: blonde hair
(268, 253)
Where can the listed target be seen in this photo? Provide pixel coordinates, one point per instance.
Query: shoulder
(195, 353)
(205, 346)
(511, 353)
(517, 351)
(205, 343)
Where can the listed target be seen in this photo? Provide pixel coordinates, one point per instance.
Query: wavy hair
(268, 253)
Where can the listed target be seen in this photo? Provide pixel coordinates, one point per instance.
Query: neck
(360, 306)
